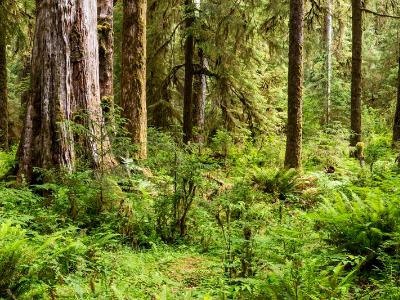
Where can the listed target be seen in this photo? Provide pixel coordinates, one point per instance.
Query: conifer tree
(133, 81)
(3, 87)
(65, 89)
(356, 72)
(295, 86)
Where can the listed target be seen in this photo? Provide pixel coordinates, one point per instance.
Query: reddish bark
(64, 84)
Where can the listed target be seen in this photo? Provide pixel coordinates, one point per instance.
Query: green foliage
(7, 161)
(361, 221)
(218, 220)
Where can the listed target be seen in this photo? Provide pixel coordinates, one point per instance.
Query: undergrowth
(217, 222)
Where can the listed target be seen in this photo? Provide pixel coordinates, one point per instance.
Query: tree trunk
(106, 53)
(341, 31)
(328, 61)
(200, 90)
(189, 72)
(356, 73)
(199, 100)
(295, 86)
(64, 82)
(3, 90)
(86, 90)
(133, 81)
(47, 141)
(396, 125)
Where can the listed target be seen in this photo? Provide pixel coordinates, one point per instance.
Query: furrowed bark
(133, 79)
(3, 90)
(47, 139)
(95, 148)
(295, 86)
(65, 88)
(356, 72)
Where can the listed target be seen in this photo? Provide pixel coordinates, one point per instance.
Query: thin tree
(65, 88)
(133, 81)
(199, 99)
(295, 86)
(356, 72)
(328, 59)
(396, 124)
(3, 87)
(199, 90)
(189, 73)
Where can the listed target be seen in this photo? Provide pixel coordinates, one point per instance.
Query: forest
(199, 149)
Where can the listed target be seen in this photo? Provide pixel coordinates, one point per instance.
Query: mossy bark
(189, 73)
(133, 81)
(64, 85)
(106, 54)
(3, 90)
(328, 59)
(295, 86)
(356, 72)
(199, 100)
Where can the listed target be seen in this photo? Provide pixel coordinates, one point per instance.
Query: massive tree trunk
(328, 60)
(356, 73)
(106, 52)
(47, 140)
(133, 81)
(396, 125)
(3, 90)
(295, 86)
(64, 83)
(189, 72)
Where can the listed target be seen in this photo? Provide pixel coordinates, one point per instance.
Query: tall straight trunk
(64, 84)
(106, 53)
(189, 73)
(396, 125)
(356, 72)
(341, 31)
(199, 100)
(133, 81)
(295, 86)
(328, 61)
(86, 88)
(3, 90)
(199, 91)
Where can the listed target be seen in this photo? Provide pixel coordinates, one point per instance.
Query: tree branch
(379, 14)
(168, 40)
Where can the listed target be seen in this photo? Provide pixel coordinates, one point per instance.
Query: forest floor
(254, 231)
